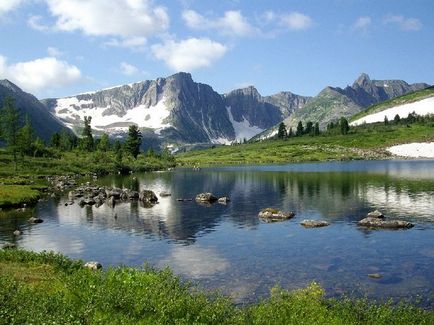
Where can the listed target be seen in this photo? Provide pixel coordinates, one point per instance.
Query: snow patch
(243, 129)
(149, 117)
(414, 150)
(422, 107)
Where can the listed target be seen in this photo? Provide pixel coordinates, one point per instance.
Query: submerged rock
(165, 194)
(372, 222)
(314, 223)
(375, 275)
(8, 246)
(148, 196)
(273, 215)
(35, 220)
(93, 265)
(206, 197)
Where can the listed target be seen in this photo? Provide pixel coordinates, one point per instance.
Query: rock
(165, 194)
(388, 224)
(18, 232)
(35, 220)
(273, 215)
(89, 201)
(9, 246)
(92, 265)
(375, 214)
(375, 275)
(206, 197)
(114, 192)
(314, 223)
(111, 202)
(224, 200)
(148, 196)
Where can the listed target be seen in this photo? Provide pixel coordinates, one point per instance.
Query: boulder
(133, 195)
(375, 214)
(8, 246)
(18, 232)
(35, 220)
(273, 215)
(93, 265)
(387, 224)
(148, 196)
(314, 223)
(206, 197)
(224, 200)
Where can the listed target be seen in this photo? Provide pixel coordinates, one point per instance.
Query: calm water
(226, 247)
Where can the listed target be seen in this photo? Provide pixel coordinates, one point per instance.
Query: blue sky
(55, 48)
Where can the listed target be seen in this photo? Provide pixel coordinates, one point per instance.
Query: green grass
(15, 195)
(50, 288)
(405, 99)
(364, 142)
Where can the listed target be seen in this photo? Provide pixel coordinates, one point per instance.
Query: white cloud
(406, 24)
(128, 69)
(120, 18)
(34, 22)
(189, 54)
(135, 43)
(362, 23)
(295, 21)
(232, 23)
(9, 5)
(40, 74)
(54, 52)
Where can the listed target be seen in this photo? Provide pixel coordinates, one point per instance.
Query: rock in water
(375, 214)
(18, 232)
(148, 196)
(93, 265)
(314, 223)
(387, 224)
(206, 197)
(8, 246)
(273, 215)
(35, 220)
(164, 194)
(224, 200)
(375, 275)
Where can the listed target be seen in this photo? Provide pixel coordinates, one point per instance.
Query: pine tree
(87, 142)
(104, 143)
(345, 127)
(281, 133)
(26, 137)
(397, 119)
(309, 127)
(300, 129)
(290, 133)
(10, 120)
(316, 129)
(386, 120)
(134, 140)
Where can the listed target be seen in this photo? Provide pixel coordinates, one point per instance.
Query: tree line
(311, 129)
(20, 139)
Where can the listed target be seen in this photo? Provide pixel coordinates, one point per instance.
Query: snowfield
(243, 129)
(150, 117)
(414, 150)
(422, 107)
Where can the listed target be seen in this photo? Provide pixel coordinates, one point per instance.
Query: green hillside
(401, 100)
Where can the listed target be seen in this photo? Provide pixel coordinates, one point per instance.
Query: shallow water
(227, 247)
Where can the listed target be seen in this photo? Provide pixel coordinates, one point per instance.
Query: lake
(226, 247)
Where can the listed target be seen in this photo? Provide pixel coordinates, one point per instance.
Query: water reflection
(228, 248)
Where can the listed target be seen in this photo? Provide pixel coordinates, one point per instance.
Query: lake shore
(33, 283)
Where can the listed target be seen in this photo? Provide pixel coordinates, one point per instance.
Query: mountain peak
(362, 80)
(10, 85)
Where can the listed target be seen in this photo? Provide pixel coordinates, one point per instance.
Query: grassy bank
(23, 185)
(364, 142)
(50, 288)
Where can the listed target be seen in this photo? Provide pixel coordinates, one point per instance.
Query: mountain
(176, 110)
(43, 122)
(334, 102)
